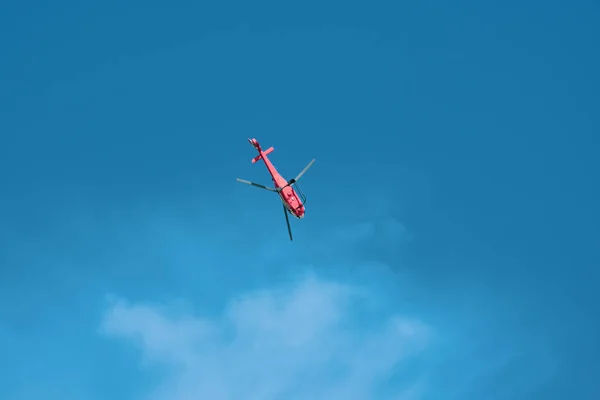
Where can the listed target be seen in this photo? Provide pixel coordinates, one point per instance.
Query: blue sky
(451, 243)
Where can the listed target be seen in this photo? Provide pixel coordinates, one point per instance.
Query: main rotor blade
(256, 184)
(303, 171)
(287, 221)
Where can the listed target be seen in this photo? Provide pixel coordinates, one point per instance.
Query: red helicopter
(292, 197)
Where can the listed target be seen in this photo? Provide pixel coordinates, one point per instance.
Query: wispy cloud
(312, 339)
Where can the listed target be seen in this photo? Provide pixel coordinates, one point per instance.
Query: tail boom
(262, 155)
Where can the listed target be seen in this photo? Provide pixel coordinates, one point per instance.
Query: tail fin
(262, 153)
(255, 144)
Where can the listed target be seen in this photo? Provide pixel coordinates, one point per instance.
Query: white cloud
(315, 339)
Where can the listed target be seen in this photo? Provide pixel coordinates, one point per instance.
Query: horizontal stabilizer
(264, 153)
